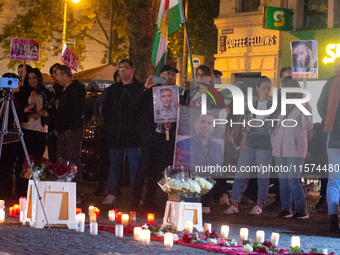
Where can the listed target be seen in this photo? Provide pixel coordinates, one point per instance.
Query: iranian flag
(169, 21)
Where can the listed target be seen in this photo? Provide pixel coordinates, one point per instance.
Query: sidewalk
(18, 239)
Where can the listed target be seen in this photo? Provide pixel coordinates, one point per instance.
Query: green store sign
(279, 18)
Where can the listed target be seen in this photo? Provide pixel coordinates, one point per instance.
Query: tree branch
(101, 26)
(95, 39)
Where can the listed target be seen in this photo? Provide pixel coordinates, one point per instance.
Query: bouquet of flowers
(45, 170)
(181, 183)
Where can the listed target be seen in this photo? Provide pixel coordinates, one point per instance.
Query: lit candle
(22, 216)
(224, 231)
(2, 204)
(17, 209)
(93, 218)
(119, 230)
(169, 239)
(112, 215)
(137, 233)
(146, 236)
(133, 216)
(260, 236)
(78, 210)
(151, 218)
(119, 217)
(295, 241)
(275, 239)
(189, 226)
(91, 210)
(244, 234)
(11, 212)
(96, 211)
(93, 228)
(22, 203)
(207, 226)
(125, 220)
(80, 222)
(2, 215)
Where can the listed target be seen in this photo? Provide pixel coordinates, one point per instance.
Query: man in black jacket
(120, 113)
(156, 152)
(69, 121)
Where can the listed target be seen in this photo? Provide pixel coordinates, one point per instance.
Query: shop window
(315, 14)
(247, 5)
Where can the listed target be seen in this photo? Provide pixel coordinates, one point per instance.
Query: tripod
(7, 102)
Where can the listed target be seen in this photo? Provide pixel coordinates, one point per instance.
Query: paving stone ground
(18, 239)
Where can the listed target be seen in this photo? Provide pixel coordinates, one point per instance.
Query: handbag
(260, 141)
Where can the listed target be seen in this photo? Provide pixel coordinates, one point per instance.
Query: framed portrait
(165, 99)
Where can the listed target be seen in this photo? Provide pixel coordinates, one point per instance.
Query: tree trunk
(141, 17)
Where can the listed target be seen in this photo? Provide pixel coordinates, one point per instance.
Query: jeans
(116, 158)
(246, 158)
(333, 180)
(290, 184)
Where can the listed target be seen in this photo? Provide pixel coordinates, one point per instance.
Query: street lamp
(65, 18)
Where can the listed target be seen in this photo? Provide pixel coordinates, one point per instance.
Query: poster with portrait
(304, 59)
(69, 58)
(199, 143)
(24, 49)
(165, 99)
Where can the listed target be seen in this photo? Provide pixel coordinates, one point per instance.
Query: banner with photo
(304, 59)
(199, 145)
(69, 58)
(165, 99)
(24, 49)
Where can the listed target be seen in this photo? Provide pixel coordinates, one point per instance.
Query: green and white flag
(169, 21)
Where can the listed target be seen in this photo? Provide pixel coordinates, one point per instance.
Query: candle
(207, 227)
(168, 239)
(22, 216)
(275, 239)
(151, 218)
(93, 228)
(93, 218)
(137, 233)
(295, 241)
(189, 226)
(80, 222)
(119, 217)
(2, 204)
(96, 211)
(133, 216)
(91, 210)
(22, 203)
(119, 230)
(11, 212)
(244, 234)
(78, 210)
(112, 215)
(125, 220)
(224, 231)
(2, 215)
(17, 209)
(146, 236)
(260, 236)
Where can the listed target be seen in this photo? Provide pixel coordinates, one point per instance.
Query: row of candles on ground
(15, 210)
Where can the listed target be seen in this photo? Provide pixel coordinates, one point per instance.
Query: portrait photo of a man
(165, 99)
(304, 58)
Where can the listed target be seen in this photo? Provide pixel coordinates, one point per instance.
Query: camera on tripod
(11, 83)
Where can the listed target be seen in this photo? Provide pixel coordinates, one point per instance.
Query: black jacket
(70, 111)
(121, 111)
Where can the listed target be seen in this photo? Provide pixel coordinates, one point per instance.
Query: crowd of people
(125, 112)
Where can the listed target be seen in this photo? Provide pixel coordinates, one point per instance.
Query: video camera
(11, 83)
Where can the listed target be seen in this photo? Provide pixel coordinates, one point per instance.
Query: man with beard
(303, 60)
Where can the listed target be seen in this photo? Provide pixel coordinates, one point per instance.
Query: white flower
(159, 233)
(212, 241)
(208, 185)
(186, 185)
(195, 187)
(175, 184)
(324, 251)
(175, 237)
(247, 248)
(145, 226)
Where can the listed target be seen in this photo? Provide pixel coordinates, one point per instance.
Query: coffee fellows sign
(261, 40)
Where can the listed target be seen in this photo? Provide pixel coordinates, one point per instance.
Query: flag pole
(188, 43)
